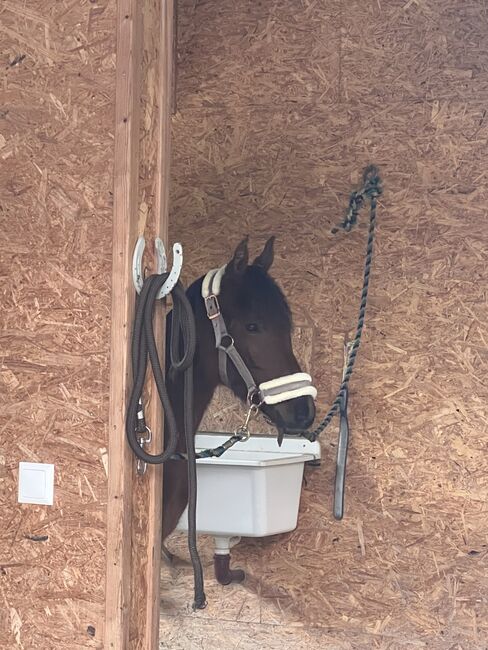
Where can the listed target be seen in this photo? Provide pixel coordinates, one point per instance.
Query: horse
(258, 318)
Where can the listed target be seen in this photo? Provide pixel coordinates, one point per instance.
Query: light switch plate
(36, 483)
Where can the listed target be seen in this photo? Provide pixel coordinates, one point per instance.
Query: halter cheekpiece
(277, 390)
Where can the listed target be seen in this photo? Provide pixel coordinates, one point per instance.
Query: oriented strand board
(56, 153)
(404, 86)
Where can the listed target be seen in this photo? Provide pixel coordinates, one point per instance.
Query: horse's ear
(239, 262)
(266, 258)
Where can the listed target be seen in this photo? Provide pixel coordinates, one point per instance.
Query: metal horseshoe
(161, 263)
(174, 274)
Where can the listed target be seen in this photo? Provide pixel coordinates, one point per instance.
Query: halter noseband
(278, 390)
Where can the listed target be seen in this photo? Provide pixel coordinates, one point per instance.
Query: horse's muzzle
(293, 416)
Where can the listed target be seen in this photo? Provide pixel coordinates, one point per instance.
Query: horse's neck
(205, 365)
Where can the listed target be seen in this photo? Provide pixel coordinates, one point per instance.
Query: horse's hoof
(223, 573)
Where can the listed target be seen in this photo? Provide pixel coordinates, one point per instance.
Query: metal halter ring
(254, 398)
(226, 342)
(243, 433)
(145, 439)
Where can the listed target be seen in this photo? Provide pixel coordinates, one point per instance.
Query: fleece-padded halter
(223, 340)
(287, 387)
(278, 390)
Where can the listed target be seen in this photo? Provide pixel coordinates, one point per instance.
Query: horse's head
(259, 320)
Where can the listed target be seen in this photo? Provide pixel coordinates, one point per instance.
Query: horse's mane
(194, 292)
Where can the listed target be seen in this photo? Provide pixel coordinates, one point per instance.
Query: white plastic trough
(253, 490)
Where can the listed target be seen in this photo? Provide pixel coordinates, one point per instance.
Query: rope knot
(372, 186)
(371, 189)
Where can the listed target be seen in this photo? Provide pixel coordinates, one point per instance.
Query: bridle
(271, 392)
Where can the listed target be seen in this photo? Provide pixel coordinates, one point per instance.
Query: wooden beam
(174, 66)
(165, 93)
(126, 171)
(142, 139)
(154, 169)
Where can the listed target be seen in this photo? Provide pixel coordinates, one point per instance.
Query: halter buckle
(212, 306)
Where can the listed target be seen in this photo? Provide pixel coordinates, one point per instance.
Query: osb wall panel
(280, 106)
(56, 149)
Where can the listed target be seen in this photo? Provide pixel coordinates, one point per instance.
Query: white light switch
(36, 483)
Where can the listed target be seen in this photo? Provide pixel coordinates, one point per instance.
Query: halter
(278, 390)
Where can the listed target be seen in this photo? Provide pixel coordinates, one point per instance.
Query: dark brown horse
(258, 318)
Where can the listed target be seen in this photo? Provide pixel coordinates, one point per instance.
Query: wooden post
(126, 170)
(174, 66)
(142, 151)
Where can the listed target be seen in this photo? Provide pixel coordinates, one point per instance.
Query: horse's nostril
(304, 412)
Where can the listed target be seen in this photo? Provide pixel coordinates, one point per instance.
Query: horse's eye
(252, 327)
